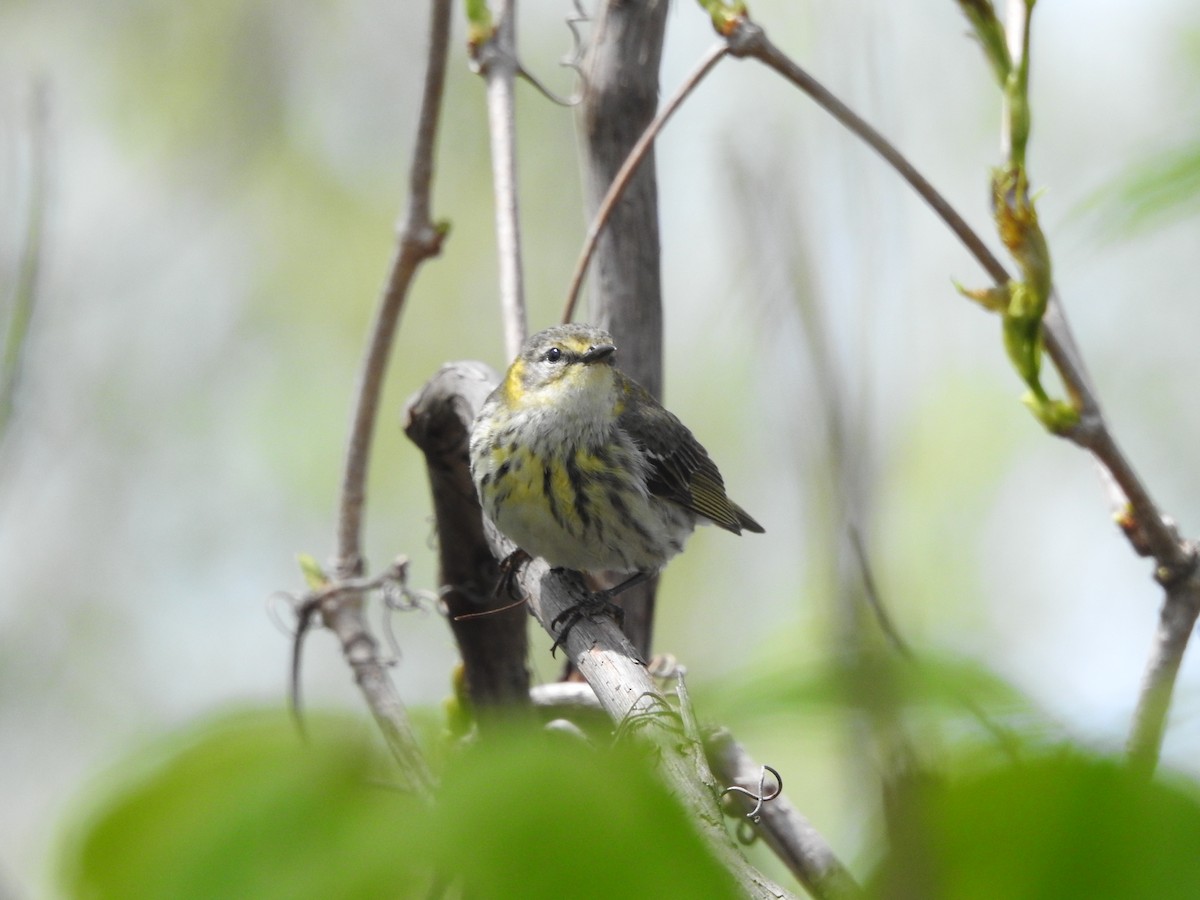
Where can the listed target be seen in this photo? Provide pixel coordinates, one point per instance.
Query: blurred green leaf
(241, 807)
(1159, 190)
(931, 680)
(1063, 826)
(540, 816)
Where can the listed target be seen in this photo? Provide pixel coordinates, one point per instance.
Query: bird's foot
(595, 603)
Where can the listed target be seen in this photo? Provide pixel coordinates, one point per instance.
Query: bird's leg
(632, 581)
(596, 603)
(506, 584)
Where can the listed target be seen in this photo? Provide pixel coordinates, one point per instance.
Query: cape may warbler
(579, 464)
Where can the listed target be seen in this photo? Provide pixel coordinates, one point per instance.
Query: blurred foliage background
(222, 182)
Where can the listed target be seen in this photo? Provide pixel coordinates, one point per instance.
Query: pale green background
(224, 180)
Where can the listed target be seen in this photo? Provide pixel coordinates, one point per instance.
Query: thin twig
(329, 596)
(748, 39)
(573, 60)
(1177, 621)
(629, 168)
(496, 60)
(1150, 531)
(420, 239)
(539, 86)
(1016, 31)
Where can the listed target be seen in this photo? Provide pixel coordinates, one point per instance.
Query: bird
(577, 463)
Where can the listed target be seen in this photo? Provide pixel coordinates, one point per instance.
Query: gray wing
(680, 468)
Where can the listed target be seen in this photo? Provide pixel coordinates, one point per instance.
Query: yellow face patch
(532, 380)
(514, 382)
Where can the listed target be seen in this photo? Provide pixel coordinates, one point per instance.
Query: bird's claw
(598, 603)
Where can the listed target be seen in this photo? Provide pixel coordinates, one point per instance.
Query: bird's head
(566, 363)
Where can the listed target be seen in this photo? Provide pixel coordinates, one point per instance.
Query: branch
(620, 97)
(493, 50)
(1150, 531)
(1177, 621)
(624, 689)
(340, 607)
(419, 239)
(629, 168)
(790, 835)
(491, 632)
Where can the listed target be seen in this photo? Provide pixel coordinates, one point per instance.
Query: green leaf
(529, 816)
(241, 807)
(314, 575)
(1062, 826)
(1161, 189)
(990, 33)
(931, 680)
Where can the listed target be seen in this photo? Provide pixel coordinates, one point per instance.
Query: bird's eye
(554, 354)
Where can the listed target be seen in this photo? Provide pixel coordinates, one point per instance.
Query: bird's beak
(598, 353)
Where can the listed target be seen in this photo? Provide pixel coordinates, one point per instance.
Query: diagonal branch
(788, 832)
(629, 168)
(1177, 621)
(419, 239)
(609, 663)
(1150, 531)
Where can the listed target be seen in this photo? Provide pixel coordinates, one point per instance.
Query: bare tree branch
(1177, 621)
(628, 168)
(1151, 532)
(790, 835)
(419, 240)
(495, 58)
(609, 663)
(620, 97)
(491, 631)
